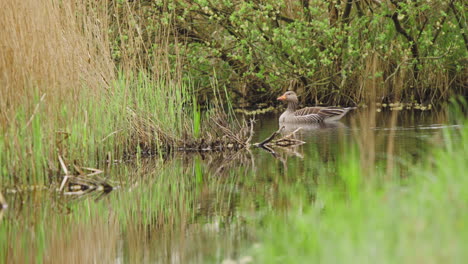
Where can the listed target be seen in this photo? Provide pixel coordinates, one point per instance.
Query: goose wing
(319, 114)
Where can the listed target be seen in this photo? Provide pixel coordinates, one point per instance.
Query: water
(197, 208)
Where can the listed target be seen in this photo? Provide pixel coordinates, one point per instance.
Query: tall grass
(63, 95)
(51, 48)
(54, 61)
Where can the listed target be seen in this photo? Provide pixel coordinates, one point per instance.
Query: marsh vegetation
(127, 131)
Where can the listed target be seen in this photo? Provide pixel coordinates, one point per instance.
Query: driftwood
(229, 141)
(286, 141)
(83, 183)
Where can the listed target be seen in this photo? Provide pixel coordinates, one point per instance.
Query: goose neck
(292, 106)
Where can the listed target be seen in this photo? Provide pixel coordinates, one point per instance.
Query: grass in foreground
(419, 219)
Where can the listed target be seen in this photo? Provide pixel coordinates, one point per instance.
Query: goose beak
(281, 98)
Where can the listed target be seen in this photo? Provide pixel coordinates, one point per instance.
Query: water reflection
(196, 207)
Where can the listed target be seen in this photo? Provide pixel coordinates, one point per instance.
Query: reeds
(52, 54)
(63, 95)
(51, 48)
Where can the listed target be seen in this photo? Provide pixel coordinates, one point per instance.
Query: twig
(251, 132)
(268, 139)
(115, 132)
(65, 170)
(287, 140)
(64, 181)
(64, 167)
(94, 171)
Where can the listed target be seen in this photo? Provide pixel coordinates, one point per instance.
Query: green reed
(135, 111)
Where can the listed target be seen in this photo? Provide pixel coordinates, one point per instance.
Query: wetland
(206, 206)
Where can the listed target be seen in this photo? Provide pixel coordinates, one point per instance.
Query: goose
(316, 114)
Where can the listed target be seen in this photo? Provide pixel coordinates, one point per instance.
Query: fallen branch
(270, 138)
(65, 170)
(83, 183)
(286, 141)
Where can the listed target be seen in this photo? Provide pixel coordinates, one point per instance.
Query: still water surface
(196, 208)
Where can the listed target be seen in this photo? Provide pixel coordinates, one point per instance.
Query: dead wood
(287, 141)
(82, 183)
(223, 136)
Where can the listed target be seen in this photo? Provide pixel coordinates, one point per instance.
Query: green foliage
(317, 46)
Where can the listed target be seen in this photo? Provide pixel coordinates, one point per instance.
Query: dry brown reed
(53, 53)
(142, 44)
(51, 47)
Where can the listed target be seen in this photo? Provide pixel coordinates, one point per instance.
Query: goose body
(307, 115)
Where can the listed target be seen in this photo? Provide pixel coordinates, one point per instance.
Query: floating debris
(255, 112)
(287, 141)
(230, 140)
(85, 182)
(398, 106)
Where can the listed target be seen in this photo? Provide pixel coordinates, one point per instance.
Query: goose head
(288, 97)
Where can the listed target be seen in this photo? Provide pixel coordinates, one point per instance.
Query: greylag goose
(305, 115)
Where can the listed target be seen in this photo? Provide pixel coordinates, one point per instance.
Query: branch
(442, 23)
(270, 138)
(412, 42)
(460, 24)
(305, 9)
(359, 8)
(285, 141)
(347, 11)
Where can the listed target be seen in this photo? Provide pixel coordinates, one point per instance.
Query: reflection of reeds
(97, 240)
(366, 139)
(369, 219)
(367, 120)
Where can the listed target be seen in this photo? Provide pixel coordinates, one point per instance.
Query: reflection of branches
(285, 141)
(287, 144)
(83, 183)
(232, 160)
